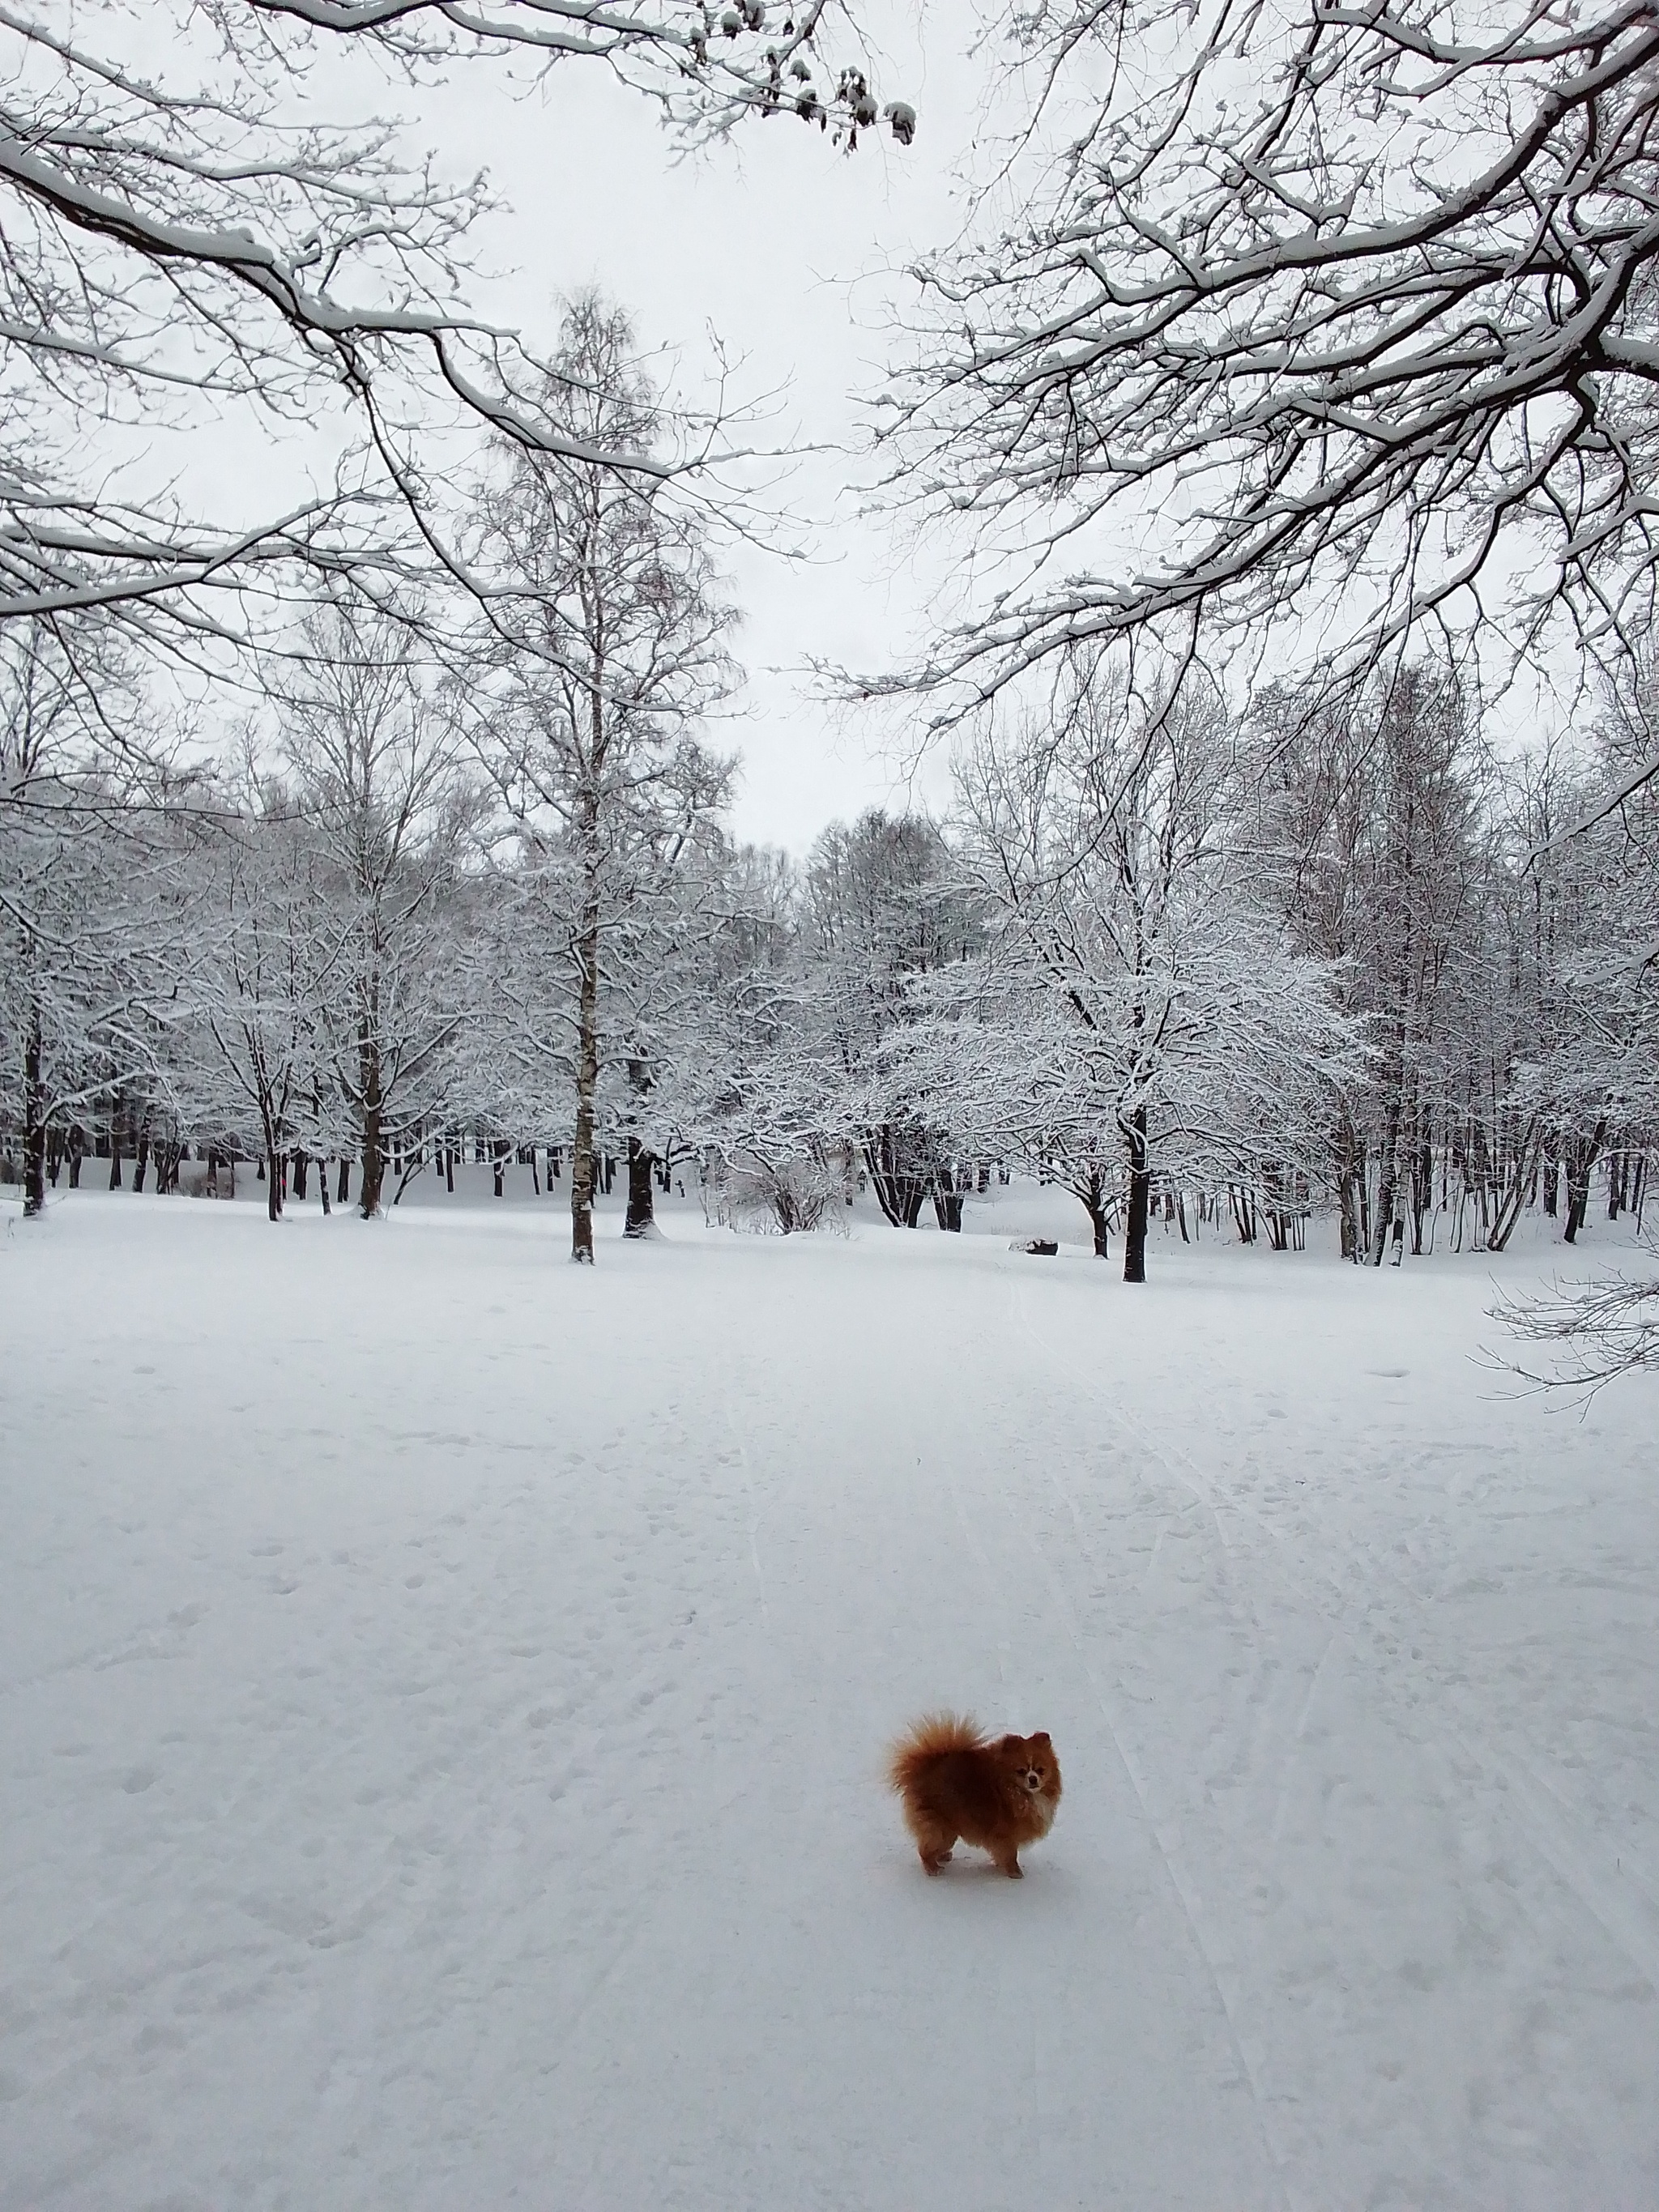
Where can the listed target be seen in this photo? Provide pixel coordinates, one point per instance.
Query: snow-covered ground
(444, 1694)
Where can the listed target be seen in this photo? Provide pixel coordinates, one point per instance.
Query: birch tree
(605, 648)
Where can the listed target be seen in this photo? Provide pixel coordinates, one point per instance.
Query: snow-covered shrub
(776, 1198)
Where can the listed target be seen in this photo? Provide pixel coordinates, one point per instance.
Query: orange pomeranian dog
(956, 1782)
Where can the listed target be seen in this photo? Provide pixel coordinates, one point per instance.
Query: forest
(1315, 958)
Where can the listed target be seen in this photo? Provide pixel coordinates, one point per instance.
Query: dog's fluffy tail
(924, 1740)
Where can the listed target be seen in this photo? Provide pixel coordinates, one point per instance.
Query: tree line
(1332, 953)
(1321, 336)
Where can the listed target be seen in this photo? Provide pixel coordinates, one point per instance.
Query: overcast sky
(787, 251)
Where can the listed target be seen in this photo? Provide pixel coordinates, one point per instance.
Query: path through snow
(444, 1694)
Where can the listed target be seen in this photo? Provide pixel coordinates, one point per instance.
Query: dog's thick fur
(955, 1781)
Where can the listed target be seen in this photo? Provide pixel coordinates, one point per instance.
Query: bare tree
(269, 939)
(1346, 313)
(604, 648)
(176, 249)
(89, 890)
(1596, 1333)
(375, 772)
(1139, 999)
(881, 906)
(1369, 812)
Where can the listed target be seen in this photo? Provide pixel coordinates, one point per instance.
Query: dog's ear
(1011, 1743)
(1041, 1737)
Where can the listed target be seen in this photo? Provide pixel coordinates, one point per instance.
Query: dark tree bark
(35, 1121)
(642, 1204)
(1141, 1191)
(1394, 1109)
(343, 1189)
(583, 1164)
(1582, 1156)
(898, 1175)
(947, 1207)
(302, 1178)
(1350, 1184)
(371, 1117)
(642, 1163)
(1093, 1195)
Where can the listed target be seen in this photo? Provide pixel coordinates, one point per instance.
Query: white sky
(783, 248)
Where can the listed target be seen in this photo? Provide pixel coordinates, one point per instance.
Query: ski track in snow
(443, 1696)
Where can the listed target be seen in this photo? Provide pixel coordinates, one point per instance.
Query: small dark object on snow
(1043, 1247)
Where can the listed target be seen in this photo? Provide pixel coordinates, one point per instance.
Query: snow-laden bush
(776, 1198)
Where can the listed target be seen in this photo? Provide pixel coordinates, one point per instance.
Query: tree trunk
(1618, 1184)
(34, 1120)
(947, 1205)
(1388, 1153)
(895, 1176)
(77, 1152)
(1581, 1163)
(1422, 1191)
(302, 1178)
(583, 1165)
(642, 1163)
(343, 1189)
(371, 1116)
(1514, 1196)
(1093, 1195)
(1141, 1191)
(641, 1220)
(273, 1172)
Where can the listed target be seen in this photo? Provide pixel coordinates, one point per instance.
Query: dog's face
(1035, 1766)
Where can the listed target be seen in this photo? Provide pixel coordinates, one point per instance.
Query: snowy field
(444, 1695)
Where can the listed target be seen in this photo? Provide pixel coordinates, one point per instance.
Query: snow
(445, 1694)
